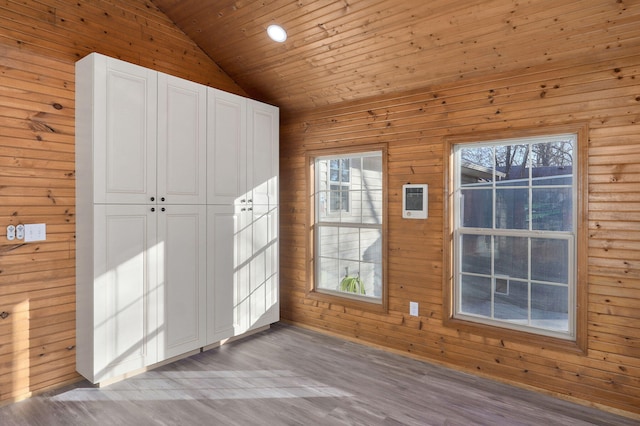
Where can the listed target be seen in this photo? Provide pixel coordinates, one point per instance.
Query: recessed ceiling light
(277, 33)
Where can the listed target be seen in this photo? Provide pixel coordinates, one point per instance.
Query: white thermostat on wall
(414, 201)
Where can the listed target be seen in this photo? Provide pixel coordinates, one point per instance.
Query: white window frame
(331, 214)
(570, 236)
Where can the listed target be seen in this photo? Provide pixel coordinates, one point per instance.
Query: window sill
(522, 337)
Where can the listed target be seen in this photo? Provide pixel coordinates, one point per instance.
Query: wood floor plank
(294, 376)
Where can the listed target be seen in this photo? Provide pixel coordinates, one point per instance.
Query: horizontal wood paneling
(135, 31)
(348, 50)
(602, 90)
(40, 41)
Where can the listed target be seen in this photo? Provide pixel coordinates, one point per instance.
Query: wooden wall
(39, 44)
(602, 89)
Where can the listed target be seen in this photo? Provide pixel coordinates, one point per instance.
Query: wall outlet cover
(11, 232)
(413, 309)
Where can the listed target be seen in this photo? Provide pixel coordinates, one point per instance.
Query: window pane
(512, 208)
(476, 208)
(345, 170)
(475, 295)
(550, 306)
(370, 245)
(476, 254)
(372, 173)
(476, 166)
(371, 257)
(349, 244)
(328, 240)
(511, 164)
(550, 260)
(513, 303)
(511, 256)
(322, 201)
(328, 274)
(339, 170)
(339, 198)
(552, 163)
(555, 153)
(552, 209)
(348, 268)
(372, 206)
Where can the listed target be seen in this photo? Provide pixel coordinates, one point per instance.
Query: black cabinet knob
(153, 198)
(153, 209)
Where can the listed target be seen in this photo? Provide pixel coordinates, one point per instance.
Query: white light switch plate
(413, 309)
(35, 232)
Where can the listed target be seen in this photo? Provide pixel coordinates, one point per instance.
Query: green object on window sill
(352, 285)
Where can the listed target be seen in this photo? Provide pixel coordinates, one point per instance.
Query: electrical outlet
(413, 309)
(11, 232)
(20, 232)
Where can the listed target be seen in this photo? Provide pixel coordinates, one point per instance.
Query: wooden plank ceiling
(342, 50)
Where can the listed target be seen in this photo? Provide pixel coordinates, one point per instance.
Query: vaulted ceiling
(341, 50)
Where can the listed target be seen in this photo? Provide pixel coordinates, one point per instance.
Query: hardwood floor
(292, 376)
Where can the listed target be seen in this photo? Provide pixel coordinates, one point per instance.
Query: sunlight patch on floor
(210, 385)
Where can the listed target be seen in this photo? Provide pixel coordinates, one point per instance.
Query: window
(515, 234)
(347, 232)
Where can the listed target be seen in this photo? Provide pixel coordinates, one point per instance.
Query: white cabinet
(256, 293)
(176, 228)
(147, 131)
(141, 217)
(145, 289)
(243, 143)
(116, 119)
(116, 298)
(242, 185)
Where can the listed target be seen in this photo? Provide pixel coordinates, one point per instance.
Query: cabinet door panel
(181, 141)
(125, 294)
(242, 292)
(222, 260)
(262, 153)
(182, 256)
(124, 132)
(226, 150)
(263, 295)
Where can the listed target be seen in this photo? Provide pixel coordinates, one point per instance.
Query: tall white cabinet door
(261, 257)
(262, 152)
(222, 277)
(256, 284)
(182, 278)
(243, 268)
(227, 148)
(125, 296)
(182, 141)
(124, 131)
